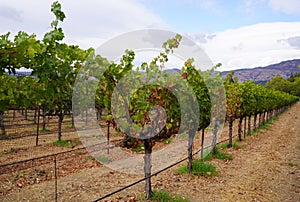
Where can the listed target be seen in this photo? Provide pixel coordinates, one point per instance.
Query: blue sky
(238, 34)
(215, 16)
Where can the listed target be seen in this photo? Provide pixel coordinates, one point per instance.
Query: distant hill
(171, 71)
(263, 74)
(259, 74)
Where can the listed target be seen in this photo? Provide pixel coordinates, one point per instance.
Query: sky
(236, 33)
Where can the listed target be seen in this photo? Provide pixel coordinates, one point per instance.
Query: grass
(168, 141)
(183, 135)
(138, 148)
(251, 134)
(200, 169)
(10, 151)
(218, 155)
(5, 136)
(79, 152)
(225, 145)
(21, 174)
(97, 137)
(292, 164)
(266, 125)
(41, 130)
(89, 158)
(163, 196)
(64, 143)
(238, 140)
(69, 127)
(103, 159)
(222, 155)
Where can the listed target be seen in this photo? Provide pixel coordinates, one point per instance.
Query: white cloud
(91, 22)
(213, 6)
(286, 6)
(88, 22)
(250, 6)
(10, 13)
(252, 46)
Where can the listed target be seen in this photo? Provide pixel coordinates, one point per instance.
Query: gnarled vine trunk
(249, 125)
(202, 144)
(147, 167)
(245, 126)
(60, 120)
(254, 122)
(44, 118)
(190, 153)
(2, 123)
(230, 133)
(240, 128)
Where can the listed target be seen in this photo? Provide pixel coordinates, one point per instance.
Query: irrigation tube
(154, 174)
(55, 154)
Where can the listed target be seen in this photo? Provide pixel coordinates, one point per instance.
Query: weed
(251, 134)
(65, 143)
(222, 155)
(69, 127)
(89, 158)
(10, 151)
(266, 126)
(79, 152)
(226, 145)
(200, 169)
(139, 148)
(292, 164)
(97, 137)
(5, 136)
(168, 141)
(238, 140)
(103, 159)
(183, 135)
(41, 130)
(21, 174)
(164, 196)
(218, 155)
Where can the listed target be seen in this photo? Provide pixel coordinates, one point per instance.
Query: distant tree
(279, 83)
(295, 86)
(290, 85)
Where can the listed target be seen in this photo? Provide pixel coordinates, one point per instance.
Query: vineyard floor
(265, 168)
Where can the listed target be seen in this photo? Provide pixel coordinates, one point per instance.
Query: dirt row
(265, 168)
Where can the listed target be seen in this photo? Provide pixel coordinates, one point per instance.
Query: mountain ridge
(261, 75)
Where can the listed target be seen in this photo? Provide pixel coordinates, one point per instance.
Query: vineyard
(140, 110)
(30, 172)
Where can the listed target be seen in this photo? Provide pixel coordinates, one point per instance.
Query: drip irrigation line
(56, 154)
(154, 174)
(157, 172)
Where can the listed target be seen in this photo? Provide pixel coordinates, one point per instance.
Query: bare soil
(265, 168)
